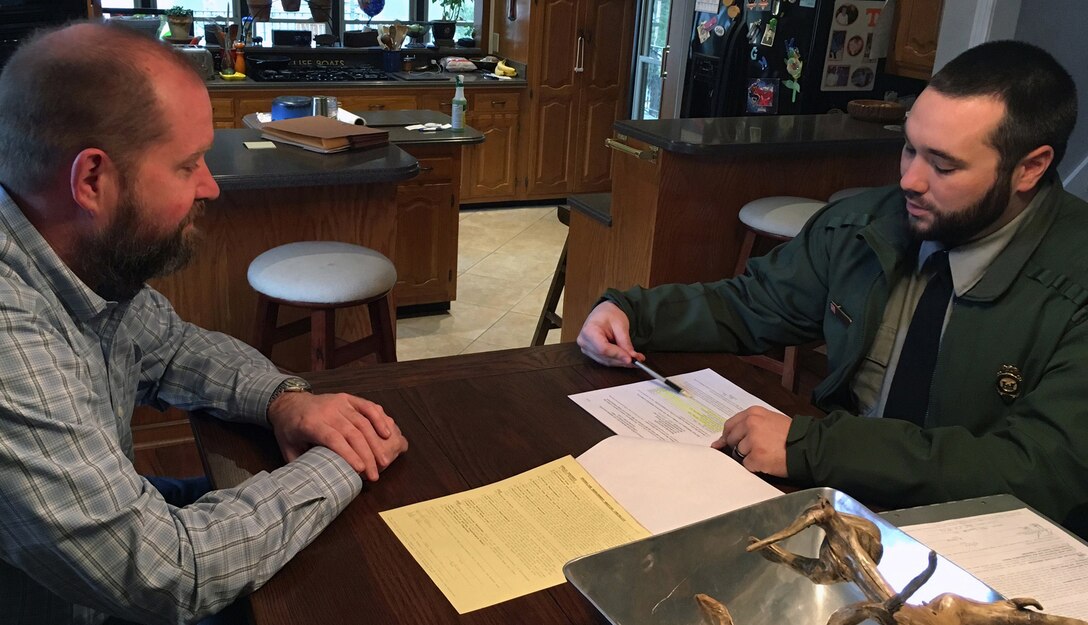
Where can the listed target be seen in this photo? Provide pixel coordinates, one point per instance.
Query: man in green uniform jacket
(1007, 408)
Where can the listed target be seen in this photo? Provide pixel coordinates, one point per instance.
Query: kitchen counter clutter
(400, 199)
(679, 184)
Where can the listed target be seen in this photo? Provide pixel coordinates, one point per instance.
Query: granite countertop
(741, 135)
(403, 79)
(235, 166)
(395, 122)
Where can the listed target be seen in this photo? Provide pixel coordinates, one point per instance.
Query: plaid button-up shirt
(82, 535)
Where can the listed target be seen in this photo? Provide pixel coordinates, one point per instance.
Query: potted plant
(451, 12)
(260, 10)
(320, 10)
(180, 20)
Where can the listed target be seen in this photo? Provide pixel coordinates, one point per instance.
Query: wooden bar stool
(779, 217)
(323, 276)
(549, 319)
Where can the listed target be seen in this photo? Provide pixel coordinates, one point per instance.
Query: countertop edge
(235, 182)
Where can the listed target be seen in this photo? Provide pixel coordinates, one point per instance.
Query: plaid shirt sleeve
(81, 534)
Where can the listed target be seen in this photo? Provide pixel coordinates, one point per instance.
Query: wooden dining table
(470, 420)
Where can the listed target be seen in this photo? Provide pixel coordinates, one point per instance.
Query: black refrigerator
(781, 57)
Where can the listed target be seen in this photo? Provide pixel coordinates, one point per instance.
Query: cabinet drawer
(489, 102)
(361, 104)
(223, 109)
(433, 169)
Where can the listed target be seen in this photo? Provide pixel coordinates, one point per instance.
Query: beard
(121, 258)
(952, 229)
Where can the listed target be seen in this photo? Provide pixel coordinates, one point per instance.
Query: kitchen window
(353, 16)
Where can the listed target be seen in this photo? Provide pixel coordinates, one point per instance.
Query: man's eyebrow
(941, 154)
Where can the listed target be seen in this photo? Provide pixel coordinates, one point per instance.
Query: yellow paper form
(508, 539)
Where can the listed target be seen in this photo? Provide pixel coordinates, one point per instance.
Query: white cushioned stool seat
(779, 215)
(321, 272)
(322, 277)
(845, 193)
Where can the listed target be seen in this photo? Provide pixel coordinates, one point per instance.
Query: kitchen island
(678, 184)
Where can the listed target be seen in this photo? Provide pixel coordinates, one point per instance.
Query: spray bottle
(457, 108)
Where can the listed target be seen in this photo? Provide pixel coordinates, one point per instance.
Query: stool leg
(789, 369)
(322, 338)
(264, 328)
(745, 251)
(548, 319)
(383, 326)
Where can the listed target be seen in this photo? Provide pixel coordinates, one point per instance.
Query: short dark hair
(80, 86)
(1039, 95)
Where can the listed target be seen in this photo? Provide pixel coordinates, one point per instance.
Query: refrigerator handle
(665, 62)
(579, 55)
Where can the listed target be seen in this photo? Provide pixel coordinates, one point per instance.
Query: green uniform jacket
(1027, 311)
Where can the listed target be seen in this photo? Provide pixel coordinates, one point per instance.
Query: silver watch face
(295, 385)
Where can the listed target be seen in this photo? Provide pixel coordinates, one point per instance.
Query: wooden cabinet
(425, 253)
(579, 60)
(917, 25)
(490, 169)
(223, 112)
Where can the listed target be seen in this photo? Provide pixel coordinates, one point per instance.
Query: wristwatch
(290, 385)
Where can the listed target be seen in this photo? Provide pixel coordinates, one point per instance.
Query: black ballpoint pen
(660, 378)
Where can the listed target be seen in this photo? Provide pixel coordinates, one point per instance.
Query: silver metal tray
(653, 581)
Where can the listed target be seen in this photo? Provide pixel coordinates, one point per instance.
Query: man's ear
(94, 182)
(1031, 168)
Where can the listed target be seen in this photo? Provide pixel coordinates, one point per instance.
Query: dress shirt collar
(17, 231)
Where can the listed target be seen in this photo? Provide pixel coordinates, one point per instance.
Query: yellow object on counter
(234, 76)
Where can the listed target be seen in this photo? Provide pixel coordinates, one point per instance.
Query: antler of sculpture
(850, 552)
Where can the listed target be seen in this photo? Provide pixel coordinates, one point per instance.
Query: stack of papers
(510, 538)
(324, 134)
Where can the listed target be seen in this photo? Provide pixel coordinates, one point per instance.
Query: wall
(1041, 23)
(966, 23)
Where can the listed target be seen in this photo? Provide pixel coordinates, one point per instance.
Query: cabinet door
(917, 25)
(425, 254)
(609, 33)
(490, 167)
(553, 96)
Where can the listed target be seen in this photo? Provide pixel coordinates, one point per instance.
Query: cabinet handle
(498, 103)
(512, 10)
(377, 107)
(423, 168)
(644, 155)
(579, 50)
(665, 62)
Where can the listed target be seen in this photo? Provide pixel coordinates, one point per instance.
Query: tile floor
(505, 261)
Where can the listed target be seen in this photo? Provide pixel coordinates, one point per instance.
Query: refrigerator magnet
(762, 96)
(768, 33)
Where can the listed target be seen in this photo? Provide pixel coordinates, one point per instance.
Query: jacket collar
(889, 237)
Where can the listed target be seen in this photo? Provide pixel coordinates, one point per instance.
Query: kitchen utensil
(386, 41)
(400, 31)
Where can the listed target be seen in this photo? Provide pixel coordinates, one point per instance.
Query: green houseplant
(451, 12)
(180, 20)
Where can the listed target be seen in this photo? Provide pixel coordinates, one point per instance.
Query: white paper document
(650, 409)
(1017, 553)
(669, 485)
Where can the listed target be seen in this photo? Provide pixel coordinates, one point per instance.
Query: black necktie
(908, 396)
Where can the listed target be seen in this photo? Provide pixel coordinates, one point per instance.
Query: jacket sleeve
(1037, 450)
(779, 300)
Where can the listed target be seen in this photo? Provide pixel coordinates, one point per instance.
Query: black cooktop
(321, 74)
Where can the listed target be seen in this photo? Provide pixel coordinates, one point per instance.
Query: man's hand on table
(758, 438)
(356, 429)
(606, 336)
